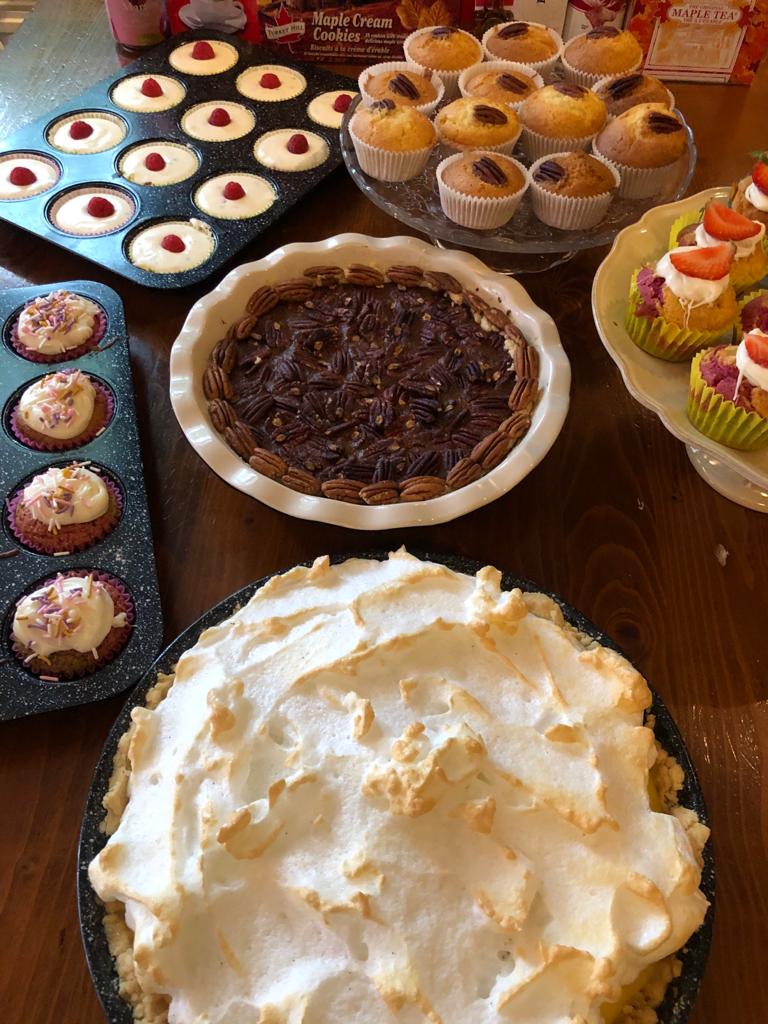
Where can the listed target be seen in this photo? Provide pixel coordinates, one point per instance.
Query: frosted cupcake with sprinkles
(57, 326)
(60, 411)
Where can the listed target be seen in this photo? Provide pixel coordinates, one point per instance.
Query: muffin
(728, 393)
(572, 191)
(62, 410)
(719, 223)
(600, 52)
(468, 123)
(625, 91)
(392, 143)
(683, 303)
(404, 84)
(500, 81)
(751, 195)
(753, 312)
(172, 246)
(644, 142)
(72, 625)
(65, 509)
(445, 50)
(57, 326)
(560, 117)
(524, 42)
(480, 190)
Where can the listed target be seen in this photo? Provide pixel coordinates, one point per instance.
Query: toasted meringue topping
(388, 788)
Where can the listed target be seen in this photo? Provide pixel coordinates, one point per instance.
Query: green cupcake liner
(719, 419)
(689, 217)
(664, 340)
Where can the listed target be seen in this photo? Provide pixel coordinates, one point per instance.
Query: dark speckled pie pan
(125, 553)
(681, 994)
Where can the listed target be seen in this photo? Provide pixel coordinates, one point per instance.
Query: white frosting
(259, 196)
(758, 199)
(271, 150)
(692, 291)
(59, 405)
(45, 171)
(127, 94)
(225, 56)
(180, 162)
(107, 132)
(744, 247)
(195, 121)
(321, 108)
(145, 250)
(74, 613)
(70, 214)
(56, 322)
(62, 497)
(747, 367)
(389, 791)
(291, 83)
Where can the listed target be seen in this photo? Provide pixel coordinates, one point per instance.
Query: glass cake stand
(525, 244)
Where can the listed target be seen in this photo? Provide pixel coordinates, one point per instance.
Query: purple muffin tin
(174, 202)
(126, 552)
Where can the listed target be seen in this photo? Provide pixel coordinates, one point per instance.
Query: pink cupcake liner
(480, 213)
(570, 213)
(99, 329)
(450, 79)
(122, 601)
(402, 65)
(62, 445)
(501, 66)
(543, 67)
(587, 78)
(13, 503)
(535, 145)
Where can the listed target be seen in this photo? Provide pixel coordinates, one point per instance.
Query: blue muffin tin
(175, 202)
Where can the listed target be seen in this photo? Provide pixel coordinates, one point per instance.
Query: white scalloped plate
(209, 318)
(659, 386)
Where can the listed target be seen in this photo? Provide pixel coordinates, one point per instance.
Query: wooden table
(615, 520)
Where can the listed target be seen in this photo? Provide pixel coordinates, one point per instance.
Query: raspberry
(270, 81)
(341, 103)
(151, 87)
(154, 162)
(172, 243)
(219, 117)
(233, 190)
(80, 130)
(22, 176)
(297, 144)
(202, 50)
(98, 206)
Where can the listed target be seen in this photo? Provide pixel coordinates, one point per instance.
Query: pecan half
(226, 354)
(222, 414)
(526, 361)
(216, 383)
(383, 493)
(515, 426)
(267, 463)
(405, 275)
(244, 327)
(466, 471)
(298, 480)
(523, 395)
(422, 488)
(443, 282)
(240, 439)
(342, 489)
(295, 289)
(498, 319)
(491, 450)
(262, 300)
(359, 273)
(325, 275)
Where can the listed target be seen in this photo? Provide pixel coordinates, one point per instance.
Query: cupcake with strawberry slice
(684, 302)
(721, 223)
(751, 195)
(728, 393)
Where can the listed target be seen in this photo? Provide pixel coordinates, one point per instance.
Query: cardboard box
(702, 40)
(583, 15)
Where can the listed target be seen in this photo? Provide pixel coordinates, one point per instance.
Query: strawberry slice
(720, 221)
(760, 176)
(708, 263)
(757, 348)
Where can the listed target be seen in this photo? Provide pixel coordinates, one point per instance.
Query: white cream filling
(71, 215)
(692, 291)
(291, 83)
(57, 322)
(744, 247)
(259, 196)
(747, 367)
(271, 151)
(73, 614)
(106, 134)
(758, 199)
(321, 108)
(128, 94)
(224, 57)
(180, 163)
(195, 122)
(390, 788)
(63, 497)
(59, 406)
(46, 174)
(146, 250)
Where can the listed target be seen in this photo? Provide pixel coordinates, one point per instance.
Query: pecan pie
(371, 386)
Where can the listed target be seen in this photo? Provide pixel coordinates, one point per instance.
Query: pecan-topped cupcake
(524, 42)
(480, 190)
(559, 117)
(572, 191)
(501, 81)
(470, 123)
(61, 410)
(392, 143)
(445, 50)
(403, 83)
(57, 326)
(644, 143)
(625, 91)
(601, 51)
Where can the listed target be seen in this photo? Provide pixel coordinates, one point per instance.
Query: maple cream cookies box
(329, 31)
(702, 40)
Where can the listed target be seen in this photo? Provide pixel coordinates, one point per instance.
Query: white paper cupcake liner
(508, 66)
(536, 145)
(543, 67)
(587, 78)
(570, 213)
(637, 182)
(387, 164)
(478, 212)
(402, 65)
(507, 148)
(450, 79)
(610, 78)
